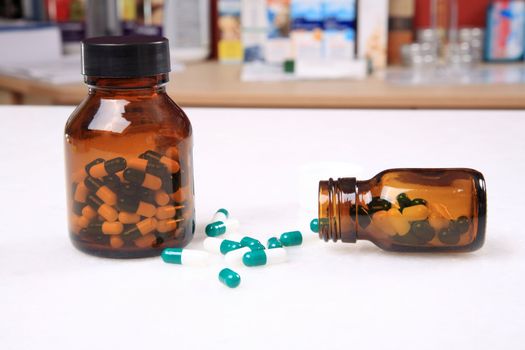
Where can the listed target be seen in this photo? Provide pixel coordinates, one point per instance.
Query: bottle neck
(128, 86)
(339, 202)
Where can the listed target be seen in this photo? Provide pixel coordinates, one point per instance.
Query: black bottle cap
(125, 56)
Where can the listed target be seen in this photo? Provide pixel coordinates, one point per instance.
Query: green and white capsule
(218, 228)
(229, 278)
(252, 243)
(220, 215)
(234, 257)
(220, 246)
(273, 243)
(189, 257)
(264, 257)
(289, 239)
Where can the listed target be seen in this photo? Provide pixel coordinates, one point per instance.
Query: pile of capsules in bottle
(130, 202)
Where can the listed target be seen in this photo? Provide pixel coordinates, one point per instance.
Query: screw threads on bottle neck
(156, 82)
(336, 198)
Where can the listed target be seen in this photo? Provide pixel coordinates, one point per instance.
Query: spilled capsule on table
(218, 228)
(251, 243)
(291, 238)
(229, 278)
(222, 246)
(182, 256)
(264, 257)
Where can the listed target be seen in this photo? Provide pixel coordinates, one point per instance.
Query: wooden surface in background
(212, 84)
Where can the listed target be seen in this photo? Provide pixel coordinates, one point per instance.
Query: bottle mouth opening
(327, 211)
(335, 200)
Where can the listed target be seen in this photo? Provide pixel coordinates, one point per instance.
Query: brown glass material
(410, 210)
(135, 128)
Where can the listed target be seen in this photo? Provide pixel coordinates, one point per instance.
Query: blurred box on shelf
(300, 39)
(307, 29)
(278, 46)
(22, 39)
(230, 47)
(253, 29)
(372, 32)
(339, 29)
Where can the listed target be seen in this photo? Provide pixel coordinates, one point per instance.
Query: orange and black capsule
(136, 206)
(100, 168)
(148, 166)
(105, 210)
(134, 190)
(143, 179)
(100, 190)
(106, 228)
(172, 165)
(143, 228)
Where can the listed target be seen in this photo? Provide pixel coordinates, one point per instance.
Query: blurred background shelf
(213, 84)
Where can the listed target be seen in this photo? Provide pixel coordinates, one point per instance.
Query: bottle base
(124, 252)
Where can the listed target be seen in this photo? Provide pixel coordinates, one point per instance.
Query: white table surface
(254, 162)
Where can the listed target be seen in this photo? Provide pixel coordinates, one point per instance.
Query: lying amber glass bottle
(410, 210)
(128, 150)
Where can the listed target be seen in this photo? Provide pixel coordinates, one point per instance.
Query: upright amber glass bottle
(411, 210)
(128, 152)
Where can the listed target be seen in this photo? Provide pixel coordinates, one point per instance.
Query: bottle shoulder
(128, 114)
